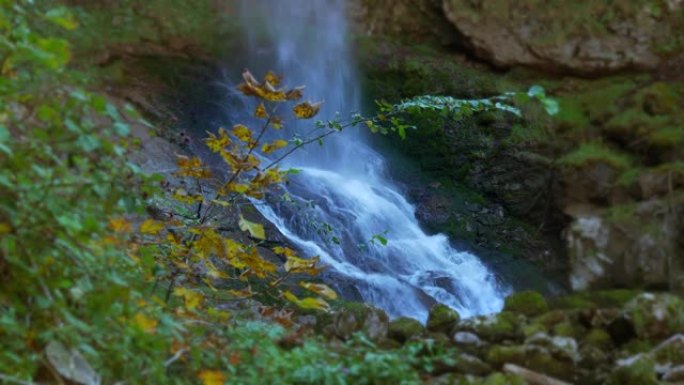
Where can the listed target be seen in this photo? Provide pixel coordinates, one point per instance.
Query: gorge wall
(597, 190)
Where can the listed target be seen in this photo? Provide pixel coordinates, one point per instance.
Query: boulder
(495, 327)
(404, 328)
(353, 318)
(656, 316)
(587, 38)
(442, 319)
(528, 303)
(635, 248)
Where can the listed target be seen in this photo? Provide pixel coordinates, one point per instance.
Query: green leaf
(63, 17)
(4, 134)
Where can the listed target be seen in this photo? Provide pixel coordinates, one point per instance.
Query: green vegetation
(594, 152)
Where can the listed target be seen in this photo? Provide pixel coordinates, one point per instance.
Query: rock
(413, 20)
(442, 319)
(466, 339)
(563, 348)
(529, 303)
(635, 249)
(669, 354)
(537, 358)
(495, 327)
(656, 316)
(675, 374)
(637, 370)
(463, 363)
(402, 329)
(555, 38)
(598, 338)
(356, 317)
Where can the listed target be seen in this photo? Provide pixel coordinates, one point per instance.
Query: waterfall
(343, 198)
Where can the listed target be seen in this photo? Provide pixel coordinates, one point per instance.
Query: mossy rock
(656, 316)
(496, 327)
(568, 329)
(404, 328)
(529, 303)
(499, 355)
(442, 319)
(638, 371)
(598, 338)
(356, 317)
(503, 379)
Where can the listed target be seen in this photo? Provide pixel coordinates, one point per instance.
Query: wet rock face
(640, 250)
(586, 38)
(417, 20)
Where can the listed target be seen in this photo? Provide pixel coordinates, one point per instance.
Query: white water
(343, 197)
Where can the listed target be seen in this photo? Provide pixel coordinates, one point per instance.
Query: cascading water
(342, 198)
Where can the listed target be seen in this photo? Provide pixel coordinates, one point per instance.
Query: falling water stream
(343, 197)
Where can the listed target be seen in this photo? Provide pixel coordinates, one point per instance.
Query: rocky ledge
(608, 337)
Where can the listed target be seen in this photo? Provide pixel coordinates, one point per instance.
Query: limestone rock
(556, 37)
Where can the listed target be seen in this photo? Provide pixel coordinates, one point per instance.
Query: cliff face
(604, 177)
(585, 38)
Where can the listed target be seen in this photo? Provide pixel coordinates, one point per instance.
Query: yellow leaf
(212, 377)
(255, 230)
(120, 225)
(151, 227)
(295, 264)
(306, 110)
(192, 167)
(182, 196)
(268, 148)
(145, 323)
(5, 228)
(320, 289)
(242, 132)
(273, 79)
(261, 111)
(307, 303)
(295, 93)
(218, 143)
(191, 298)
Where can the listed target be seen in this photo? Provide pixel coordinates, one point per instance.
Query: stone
(598, 338)
(529, 303)
(675, 374)
(555, 38)
(635, 251)
(495, 327)
(355, 317)
(404, 328)
(637, 370)
(656, 316)
(442, 319)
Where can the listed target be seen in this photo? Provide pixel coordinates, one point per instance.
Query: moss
(495, 327)
(598, 338)
(568, 329)
(596, 152)
(500, 355)
(404, 328)
(529, 303)
(442, 318)
(640, 372)
(503, 379)
(533, 328)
